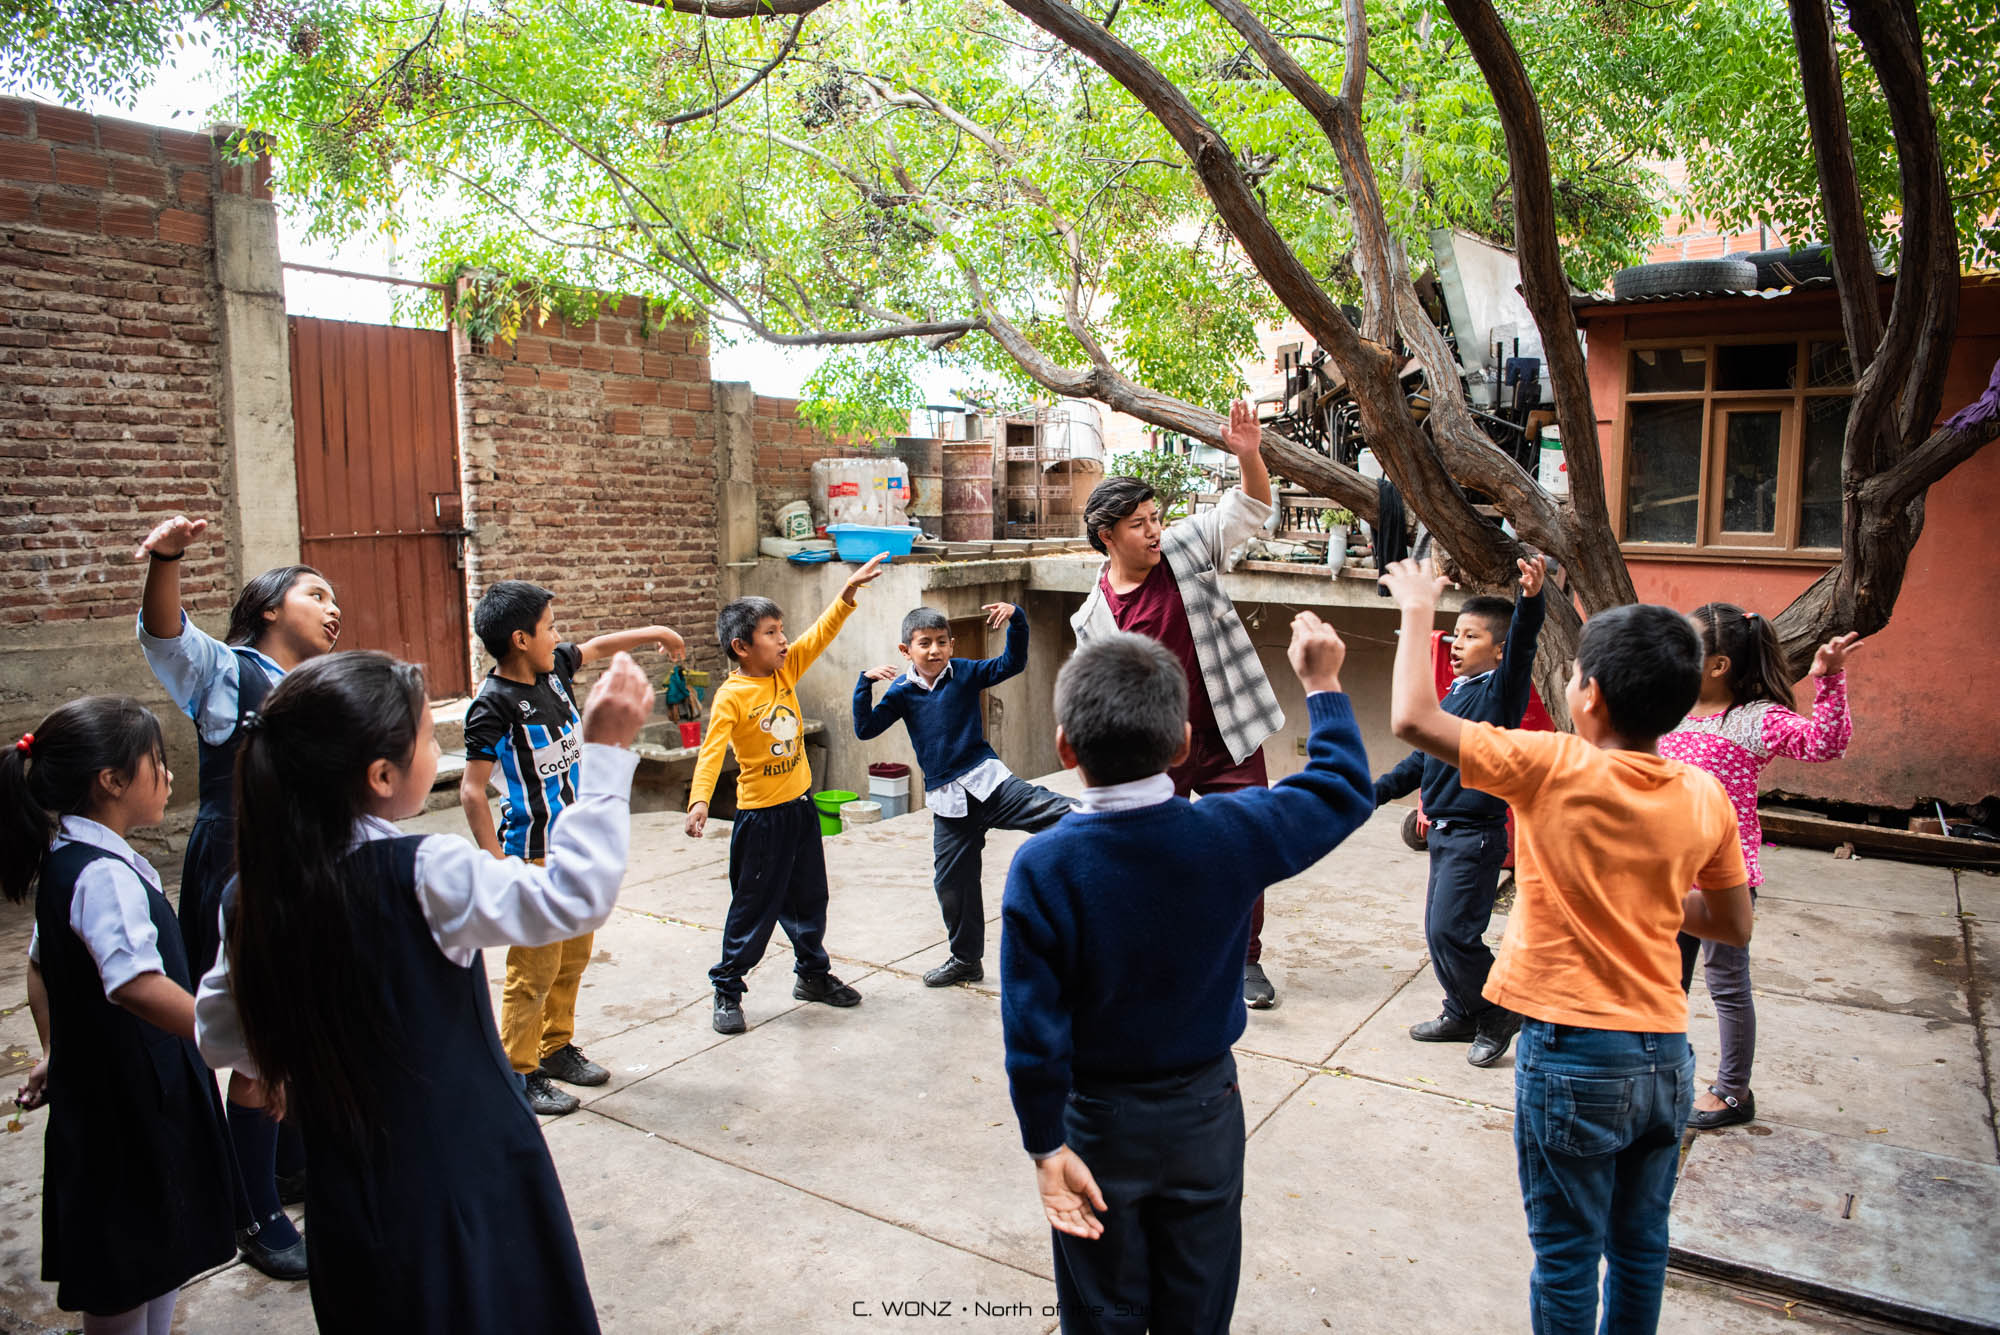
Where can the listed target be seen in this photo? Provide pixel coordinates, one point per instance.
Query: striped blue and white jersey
(533, 735)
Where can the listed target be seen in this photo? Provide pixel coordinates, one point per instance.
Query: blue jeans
(1598, 1116)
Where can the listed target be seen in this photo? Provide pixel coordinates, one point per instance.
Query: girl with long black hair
(351, 981)
(284, 617)
(135, 1171)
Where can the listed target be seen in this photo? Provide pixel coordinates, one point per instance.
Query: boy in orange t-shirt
(1609, 835)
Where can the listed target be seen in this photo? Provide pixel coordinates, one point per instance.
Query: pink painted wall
(1924, 692)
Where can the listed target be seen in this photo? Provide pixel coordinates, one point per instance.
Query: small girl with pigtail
(135, 1178)
(1742, 721)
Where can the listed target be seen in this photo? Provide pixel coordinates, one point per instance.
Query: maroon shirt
(1155, 610)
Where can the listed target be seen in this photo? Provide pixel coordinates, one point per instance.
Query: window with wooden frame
(1732, 446)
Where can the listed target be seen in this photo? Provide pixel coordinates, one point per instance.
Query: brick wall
(787, 448)
(589, 464)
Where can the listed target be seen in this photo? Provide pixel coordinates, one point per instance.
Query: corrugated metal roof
(1597, 299)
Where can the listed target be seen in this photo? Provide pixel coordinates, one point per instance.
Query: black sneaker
(292, 1188)
(824, 987)
(1496, 1030)
(728, 1013)
(953, 970)
(287, 1264)
(1447, 1028)
(1258, 994)
(547, 1100)
(568, 1064)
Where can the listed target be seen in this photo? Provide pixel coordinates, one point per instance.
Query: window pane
(1663, 467)
(1665, 370)
(1828, 364)
(1750, 472)
(1756, 365)
(1819, 491)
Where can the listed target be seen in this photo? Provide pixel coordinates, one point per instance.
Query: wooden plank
(1790, 827)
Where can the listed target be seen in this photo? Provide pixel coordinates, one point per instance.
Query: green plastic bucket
(829, 803)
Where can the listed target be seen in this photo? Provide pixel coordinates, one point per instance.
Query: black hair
(1497, 613)
(56, 776)
(1646, 661)
(739, 621)
(1111, 500)
(923, 618)
(510, 605)
(1122, 703)
(304, 942)
(1757, 668)
(266, 593)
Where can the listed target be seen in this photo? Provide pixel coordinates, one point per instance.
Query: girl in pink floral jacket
(1741, 722)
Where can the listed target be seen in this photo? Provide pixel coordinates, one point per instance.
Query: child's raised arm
(1524, 634)
(871, 720)
(1825, 735)
(1414, 712)
(663, 638)
(1013, 659)
(163, 548)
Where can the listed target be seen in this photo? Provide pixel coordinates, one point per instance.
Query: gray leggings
(153, 1318)
(1727, 969)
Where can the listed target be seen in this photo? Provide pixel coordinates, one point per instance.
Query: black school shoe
(1258, 994)
(547, 1100)
(568, 1064)
(1496, 1032)
(824, 987)
(953, 970)
(1734, 1112)
(288, 1264)
(728, 1013)
(1447, 1028)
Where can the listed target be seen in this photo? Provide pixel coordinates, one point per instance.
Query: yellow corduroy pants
(538, 1001)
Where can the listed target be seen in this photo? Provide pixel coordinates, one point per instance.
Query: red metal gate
(381, 514)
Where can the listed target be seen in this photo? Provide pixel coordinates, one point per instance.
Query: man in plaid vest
(1164, 583)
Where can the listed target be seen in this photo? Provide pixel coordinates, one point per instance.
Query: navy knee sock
(291, 1149)
(255, 1139)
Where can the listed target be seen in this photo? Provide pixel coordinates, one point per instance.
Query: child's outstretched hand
(998, 614)
(1534, 571)
(887, 672)
(618, 704)
(1316, 653)
(697, 820)
(1414, 585)
(866, 575)
(170, 538)
(1070, 1197)
(672, 645)
(1832, 656)
(1243, 436)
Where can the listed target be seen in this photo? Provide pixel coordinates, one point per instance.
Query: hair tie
(250, 722)
(1750, 617)
(26, 746)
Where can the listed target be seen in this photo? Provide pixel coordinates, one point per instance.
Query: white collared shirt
(200, 674)
(1147, 792)
(471, 899)
(110, 910)
(949, 800)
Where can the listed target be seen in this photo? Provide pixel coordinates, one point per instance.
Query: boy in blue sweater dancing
(1121, 960)
(968, 789)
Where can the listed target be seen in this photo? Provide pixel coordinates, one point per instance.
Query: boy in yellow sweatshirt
(777, 870)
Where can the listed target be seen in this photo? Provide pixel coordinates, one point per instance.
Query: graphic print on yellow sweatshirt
(760, 718)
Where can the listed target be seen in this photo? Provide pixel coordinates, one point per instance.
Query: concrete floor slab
(1816, 876)
(1872, 1075)
(1384, 1050)
(1914, 963)
(826, 1100)
(1979, 893)
(1906, 1233)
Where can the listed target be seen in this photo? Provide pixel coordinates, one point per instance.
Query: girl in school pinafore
(136, 1168)
(451, 1218)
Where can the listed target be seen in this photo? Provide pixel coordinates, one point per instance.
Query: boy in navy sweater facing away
(967, 787)
(1493, 661)
(1121, 987)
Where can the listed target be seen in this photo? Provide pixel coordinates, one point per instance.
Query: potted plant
(1338, 523)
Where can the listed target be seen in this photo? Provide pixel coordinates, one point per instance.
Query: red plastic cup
(691, 734)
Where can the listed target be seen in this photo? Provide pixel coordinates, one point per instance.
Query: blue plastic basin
(864, 542)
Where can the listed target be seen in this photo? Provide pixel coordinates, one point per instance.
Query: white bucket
(795, 521)
(1554, 471)
(892, 795)
(859, 813)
